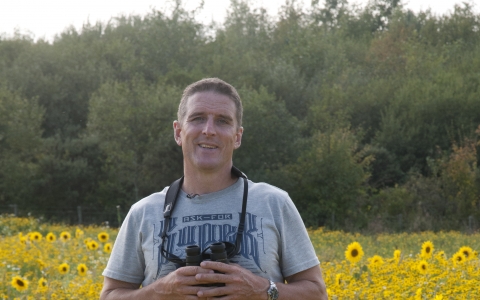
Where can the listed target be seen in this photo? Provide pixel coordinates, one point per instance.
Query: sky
(46, 18)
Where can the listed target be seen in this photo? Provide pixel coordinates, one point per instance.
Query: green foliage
(134, 121)
(20, 145)
(345, 108)
(271, 135)
(329, 177)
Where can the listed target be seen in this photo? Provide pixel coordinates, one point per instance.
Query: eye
(197, 119)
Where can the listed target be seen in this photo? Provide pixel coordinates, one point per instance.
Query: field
(44, 261)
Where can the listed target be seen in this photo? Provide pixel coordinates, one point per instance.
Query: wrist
(264, 291)
(272, 291)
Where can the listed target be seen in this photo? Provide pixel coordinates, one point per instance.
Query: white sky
(45, 18)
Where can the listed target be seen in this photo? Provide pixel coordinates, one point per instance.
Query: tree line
(367, 116)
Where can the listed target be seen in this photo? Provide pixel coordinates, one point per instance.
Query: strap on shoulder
(170, 200)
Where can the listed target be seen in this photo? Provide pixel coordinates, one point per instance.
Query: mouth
(205, 146)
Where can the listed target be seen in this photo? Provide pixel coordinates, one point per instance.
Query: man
(274, 247)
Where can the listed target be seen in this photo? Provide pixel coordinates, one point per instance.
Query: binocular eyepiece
(194, 256)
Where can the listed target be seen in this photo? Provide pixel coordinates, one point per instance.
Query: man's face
(208, 134)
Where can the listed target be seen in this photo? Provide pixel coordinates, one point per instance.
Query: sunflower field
(50, 261)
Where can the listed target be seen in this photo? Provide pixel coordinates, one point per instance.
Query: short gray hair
(211, 85)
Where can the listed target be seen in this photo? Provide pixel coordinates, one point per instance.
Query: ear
(238, 137)
(176, 132)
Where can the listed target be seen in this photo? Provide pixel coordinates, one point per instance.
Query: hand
(181, 284)
(240, 283)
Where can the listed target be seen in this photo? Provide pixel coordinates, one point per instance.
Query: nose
(209, 128)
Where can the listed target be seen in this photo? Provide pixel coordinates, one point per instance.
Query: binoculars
(195, 257)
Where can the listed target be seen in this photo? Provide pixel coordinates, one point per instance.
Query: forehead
(210, 103)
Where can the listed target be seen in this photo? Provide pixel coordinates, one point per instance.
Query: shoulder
(262, 187)
(268, 192)
(150, 204)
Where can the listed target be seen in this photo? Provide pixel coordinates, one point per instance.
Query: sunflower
(354, 252)
(41, 264)
(438, 297)
(427, 249)
(19, 283)
(92, 245)
(422, 267)
(23, 239)
(397, 254)
(63, 268)
(51, 237)
(338, 279)
(42, 283)
(441, 257)
(103, 237)
(375, 261)
(107, 248)
(65, 236)
(35, 236)
(82, 269)
(418, 294)
(458, 258)
(78, 233)
(467, 252)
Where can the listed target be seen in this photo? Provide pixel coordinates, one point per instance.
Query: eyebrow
(202, 113)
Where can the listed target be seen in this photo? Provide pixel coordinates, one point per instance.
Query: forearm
(128, 294)
(304, 289)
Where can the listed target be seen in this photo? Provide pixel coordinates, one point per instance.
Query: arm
(242, 284)
(180, 284)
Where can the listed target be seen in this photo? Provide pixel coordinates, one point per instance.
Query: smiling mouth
(207, 146)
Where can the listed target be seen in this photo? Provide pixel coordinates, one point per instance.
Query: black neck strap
(172, 196)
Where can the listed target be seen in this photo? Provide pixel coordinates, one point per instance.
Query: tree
(20, 147)
(133, 122)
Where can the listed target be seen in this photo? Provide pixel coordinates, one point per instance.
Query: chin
(208, 166)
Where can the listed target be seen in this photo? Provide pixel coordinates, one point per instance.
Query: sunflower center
(427, 250)
(20, 282)
(354, 252)
(465, 253)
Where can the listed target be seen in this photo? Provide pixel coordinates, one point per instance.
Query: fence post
(470, 223)
(79, 213)
(15, 209)
(119, 218)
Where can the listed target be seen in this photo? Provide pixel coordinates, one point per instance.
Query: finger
(191, 290)
(213, 278)
(215, 292)
(192, 271)
(218, 266)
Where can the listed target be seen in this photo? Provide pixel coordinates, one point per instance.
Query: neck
(204, 182)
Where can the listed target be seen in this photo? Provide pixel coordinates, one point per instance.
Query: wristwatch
(272, 291)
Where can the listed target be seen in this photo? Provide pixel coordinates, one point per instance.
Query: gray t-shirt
(275, 243)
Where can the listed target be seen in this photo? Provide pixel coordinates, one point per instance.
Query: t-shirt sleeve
(298, 253)
(126, 262)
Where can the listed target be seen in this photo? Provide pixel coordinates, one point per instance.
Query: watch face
(274, 294)
(272, 291)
